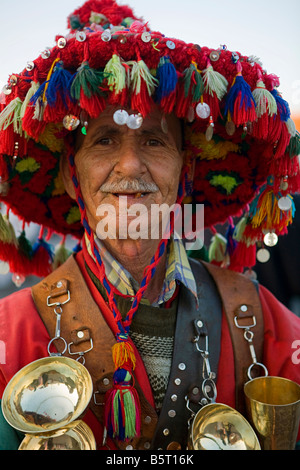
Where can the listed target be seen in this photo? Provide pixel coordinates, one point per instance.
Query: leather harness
(85, 331)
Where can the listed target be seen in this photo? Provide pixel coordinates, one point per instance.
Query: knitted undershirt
(152, 331)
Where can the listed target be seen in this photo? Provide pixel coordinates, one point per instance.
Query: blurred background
(268, 30)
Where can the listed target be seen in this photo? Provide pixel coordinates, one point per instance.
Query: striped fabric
(177, 269)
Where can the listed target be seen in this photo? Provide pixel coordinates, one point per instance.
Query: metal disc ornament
(270, 239)
(120, 117)
(285, 203)
(263, 255)
(134, 121)
(71, 122)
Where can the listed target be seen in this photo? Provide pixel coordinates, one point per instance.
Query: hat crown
(103, 13)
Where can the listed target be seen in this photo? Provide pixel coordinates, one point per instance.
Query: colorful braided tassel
(122, 405)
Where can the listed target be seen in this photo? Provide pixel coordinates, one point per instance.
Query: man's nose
(130, 161)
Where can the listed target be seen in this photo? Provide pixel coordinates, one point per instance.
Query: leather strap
(241, 301)
(186, 378)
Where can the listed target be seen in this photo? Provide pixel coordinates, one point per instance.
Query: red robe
(25, 339)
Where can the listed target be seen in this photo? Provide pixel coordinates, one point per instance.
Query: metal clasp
(249, 335)
(80, 353)
(58, 312)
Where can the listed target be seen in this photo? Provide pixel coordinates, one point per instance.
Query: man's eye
(153, 142)
(104, 141)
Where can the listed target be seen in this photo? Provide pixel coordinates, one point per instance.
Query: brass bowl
(46, 395)
(220, 427)
(75, 436)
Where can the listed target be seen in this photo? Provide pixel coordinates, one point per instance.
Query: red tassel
(94, 105)
(243, 257)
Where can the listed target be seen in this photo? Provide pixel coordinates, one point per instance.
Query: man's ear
(66, 176)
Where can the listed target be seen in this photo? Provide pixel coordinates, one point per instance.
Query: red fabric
(25, 338)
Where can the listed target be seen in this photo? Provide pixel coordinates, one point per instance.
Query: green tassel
(214, 82)
(7, 231)
(117, 77)
(61, 255)
(239, 229)
(12, 115)
(217, 248)
(191, 75)
(265, 101)
(25, 246)
(141, 74)
(293, 148)
(88, 81)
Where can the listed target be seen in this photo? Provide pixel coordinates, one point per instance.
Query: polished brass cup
(273, 409)
(219, 427)
(45, 398)
(75, 436)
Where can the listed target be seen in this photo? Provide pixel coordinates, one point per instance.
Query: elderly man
(113, 113)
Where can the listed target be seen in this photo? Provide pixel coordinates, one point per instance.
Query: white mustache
(137, 185)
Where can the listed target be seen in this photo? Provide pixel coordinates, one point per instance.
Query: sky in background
(264, 28)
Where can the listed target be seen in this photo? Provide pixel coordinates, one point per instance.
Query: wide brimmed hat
(237, 129)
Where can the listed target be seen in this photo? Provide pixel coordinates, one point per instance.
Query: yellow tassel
(122, 353)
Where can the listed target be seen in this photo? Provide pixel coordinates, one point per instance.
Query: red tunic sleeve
(23, 335)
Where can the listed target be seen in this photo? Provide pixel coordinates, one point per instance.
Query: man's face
(114, 161)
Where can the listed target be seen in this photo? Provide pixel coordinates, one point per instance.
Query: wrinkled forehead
(123, 120)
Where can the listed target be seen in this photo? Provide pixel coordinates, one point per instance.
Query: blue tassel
(167, 77)
(231, 243)
(282, 106)
(240, 90)
(58, 84)
(40, 243)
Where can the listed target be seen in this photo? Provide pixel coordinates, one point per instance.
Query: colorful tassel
(240, 104)
(86, 89)
(61, 254)
(122, 353)
(12, 115)
(56, 93)
(122, 405)
(266, 107)
(215, 88)
(166, 90)
(217, 249)
(143, 86)
(282, 105)
(117, 80)
(42, 258)
(192, 90)
(122, 408)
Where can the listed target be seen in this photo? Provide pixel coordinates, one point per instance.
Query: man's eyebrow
(107, 128)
